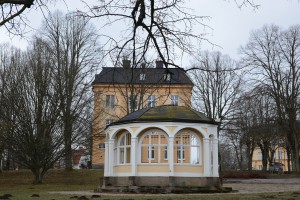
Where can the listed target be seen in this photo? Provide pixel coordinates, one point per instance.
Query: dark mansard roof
(120, 75)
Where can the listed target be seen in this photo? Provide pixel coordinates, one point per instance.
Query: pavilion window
(187, 148)
(154, 147)
(124, 149)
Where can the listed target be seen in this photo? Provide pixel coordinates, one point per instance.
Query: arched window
(187, 148)
(154, 147)
(124, 148)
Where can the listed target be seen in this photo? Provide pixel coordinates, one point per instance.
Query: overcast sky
(230, 25)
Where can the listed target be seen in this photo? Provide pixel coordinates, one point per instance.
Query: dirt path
(263, 185)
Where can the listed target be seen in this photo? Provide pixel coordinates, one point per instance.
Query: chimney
(126, 64)
(159, 64)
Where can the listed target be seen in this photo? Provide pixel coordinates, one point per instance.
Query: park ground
(80, 184)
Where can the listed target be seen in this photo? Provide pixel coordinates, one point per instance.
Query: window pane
(128, 139)
(194, 140)
(151, 101)
(133, 102)
(110, 101)
(107, 101)
(163, 139)
(195, 155)
(128, 153)
(186, 139)
(121, 155)
(174, 100)
(187, 148)
(163, 154)
(154, 138)
(122, 142)
(146, 140)
(177, 139)
(144, 154)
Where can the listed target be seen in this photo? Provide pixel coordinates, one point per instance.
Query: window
(151, 153)
(279, 155)
(181, 153)
(133, 103)
(166, 152)
(259, 155)
(167, 77)
(187, 148)
(109, 121)
(151, 101)
(124, 149)
(110, 101)
(174, 100)
(142, 77)
(154, 147)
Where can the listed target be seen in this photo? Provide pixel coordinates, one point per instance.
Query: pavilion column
(133, 156)
(207, 162)
(110, 156)
(106, 160)
(171, 155)
(215, 158)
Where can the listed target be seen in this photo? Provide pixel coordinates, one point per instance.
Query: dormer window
(142, 77)
(167, 77)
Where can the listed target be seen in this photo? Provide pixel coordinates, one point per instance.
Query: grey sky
(230, 25)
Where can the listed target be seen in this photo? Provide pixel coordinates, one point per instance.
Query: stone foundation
(136, 184)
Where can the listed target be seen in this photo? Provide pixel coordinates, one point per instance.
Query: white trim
(215, 158)
(206, 157)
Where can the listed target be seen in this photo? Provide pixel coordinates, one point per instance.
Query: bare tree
(34, 137)
(12, 14)
(152, 28)
(217, 85)
(159, 28)
(10, 59)
(275, 56)
(72, 42)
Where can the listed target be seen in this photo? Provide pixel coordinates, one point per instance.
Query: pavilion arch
(188, 147)
(115, 133)
(122, 147)
(141, 130)
(153, 146)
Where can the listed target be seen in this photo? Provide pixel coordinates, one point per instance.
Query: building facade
(119, 91)
(280, 159)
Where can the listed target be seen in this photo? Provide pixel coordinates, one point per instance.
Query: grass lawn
(18, 184)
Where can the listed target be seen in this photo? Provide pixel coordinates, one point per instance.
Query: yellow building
(119, 91)
(280, 158)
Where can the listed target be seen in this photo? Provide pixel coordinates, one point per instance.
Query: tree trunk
(38, 176)
(68, 145)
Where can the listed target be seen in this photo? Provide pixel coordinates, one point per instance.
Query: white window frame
(142, 77)
(166, 152)
(181, 153)
(110, 101)
(152, 148)
(151, 153)
(174, 100)
(108, 121)
(135, 102)
(151, 101)
(167, 77)
(181, 147)
(124, 148)
(259, 155)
